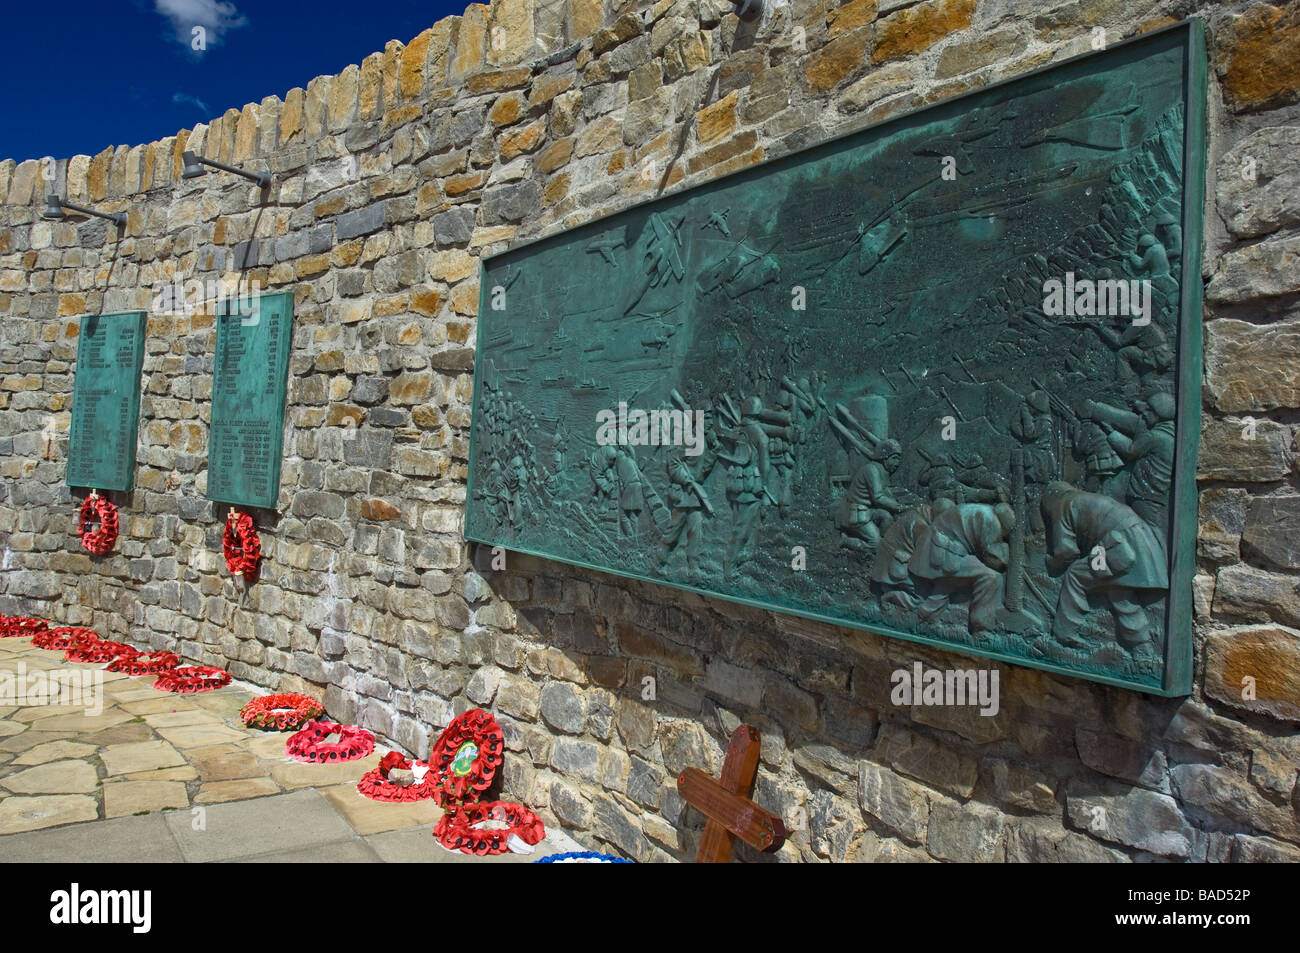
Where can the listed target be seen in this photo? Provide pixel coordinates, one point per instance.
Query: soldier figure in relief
(1145, 440)
(516, 484)
(689, 503)
(962, 481)
(1033, 428)
(635, 494)
(746, 491)
(965, 550)
(1141, 350)
(494, 492)
(783, 435)
(1101, 548)
(899, 542)
(604, 478)
(1093, 450)
(868, 506)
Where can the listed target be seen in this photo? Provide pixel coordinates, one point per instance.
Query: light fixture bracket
(193, 168)
(54, 207)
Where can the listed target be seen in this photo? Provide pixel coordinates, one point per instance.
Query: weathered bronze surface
(106, 401)
(945, 373)
(249, 377)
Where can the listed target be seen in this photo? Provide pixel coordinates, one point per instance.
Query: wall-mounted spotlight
(54, 207)
(193, 168)
(748, 10)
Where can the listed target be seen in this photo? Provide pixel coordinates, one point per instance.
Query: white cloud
(182, 98)
(216, 17)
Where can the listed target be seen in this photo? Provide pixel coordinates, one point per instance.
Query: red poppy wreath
(99, 651)
(458, 829)
(283, 712)
(145, 663)
(466, 756)
(240, 544)
(378, 786)
(17, 626)
(97, 525)
(310, 744)
(189, 679)
(73, 639)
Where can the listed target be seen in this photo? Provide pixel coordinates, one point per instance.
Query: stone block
(965, 833)
(576, 759)
(917, 28)
(896, 803)
(1271, 535)
(1134, 817)
(1267, 269)
(1244, 450)
(1245, 593)
(1252, 55)
(362, 221)
(1252, 367)
(920, 757)
(563, 707)
(1258, 180)
(1255, 669)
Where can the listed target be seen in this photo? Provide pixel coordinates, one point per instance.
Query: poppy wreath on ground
(284, 712)
(17, 626)
(97, 525)
(145, 663)
(63, 638)
(189, 679)
(240, 544)
(310, 744)
(376, 785)
(99, 651)
(582, 857)
(80, 640)
(456, 829)
(466, 756)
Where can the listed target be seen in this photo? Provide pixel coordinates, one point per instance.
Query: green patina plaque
(106, 401)
(249, 377)
(937, 379)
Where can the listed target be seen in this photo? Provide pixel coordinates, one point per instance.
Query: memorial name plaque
(249, 376)
(106, 401)
(937, 379)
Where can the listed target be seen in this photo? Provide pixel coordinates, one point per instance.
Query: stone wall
(527, 117)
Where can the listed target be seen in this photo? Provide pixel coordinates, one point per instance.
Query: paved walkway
(162, 777)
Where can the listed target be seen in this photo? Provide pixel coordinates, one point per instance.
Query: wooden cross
(726, 804)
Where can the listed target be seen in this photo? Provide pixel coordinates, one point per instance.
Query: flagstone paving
(54, 751)
(159, 777)
(57, 777)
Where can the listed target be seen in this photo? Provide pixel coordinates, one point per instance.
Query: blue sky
(83, 75)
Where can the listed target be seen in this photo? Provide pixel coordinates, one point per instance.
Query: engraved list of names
(106, 401)
(249, 374)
